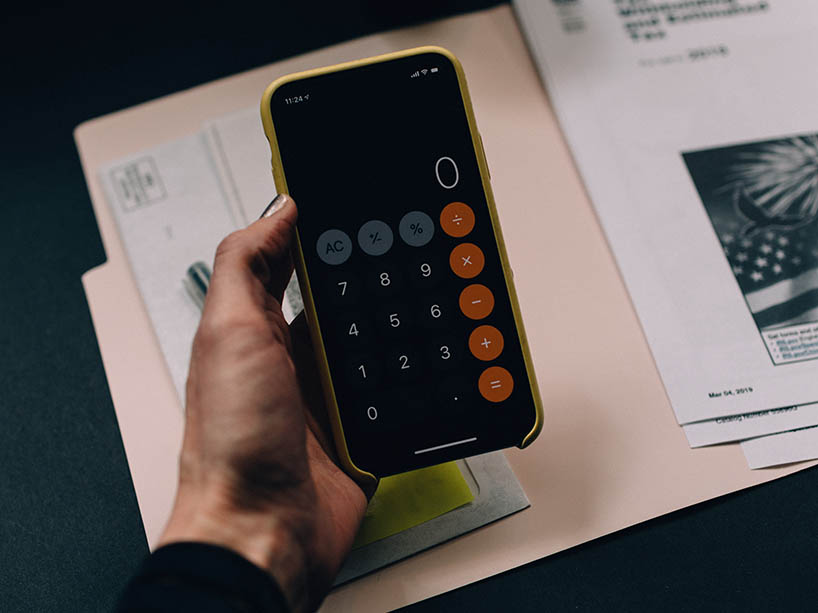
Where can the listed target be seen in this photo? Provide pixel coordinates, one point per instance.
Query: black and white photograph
(762, 199)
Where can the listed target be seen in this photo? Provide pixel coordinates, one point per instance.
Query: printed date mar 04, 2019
(733, 392)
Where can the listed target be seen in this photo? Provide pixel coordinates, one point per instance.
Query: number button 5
(393, 321)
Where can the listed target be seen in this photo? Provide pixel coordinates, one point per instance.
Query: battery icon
(434, 69)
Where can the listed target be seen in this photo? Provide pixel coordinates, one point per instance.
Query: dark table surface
(70, 531)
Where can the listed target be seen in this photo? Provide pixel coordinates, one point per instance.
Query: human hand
(256, 473)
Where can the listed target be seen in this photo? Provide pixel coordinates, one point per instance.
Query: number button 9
(425, 272)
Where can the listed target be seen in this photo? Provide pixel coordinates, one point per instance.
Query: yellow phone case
(359, 475)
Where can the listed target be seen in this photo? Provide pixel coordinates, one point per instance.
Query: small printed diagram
(762, 199)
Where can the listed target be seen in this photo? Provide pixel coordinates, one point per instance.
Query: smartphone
(406, 284)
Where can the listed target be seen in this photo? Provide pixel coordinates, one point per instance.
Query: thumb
(259, 252)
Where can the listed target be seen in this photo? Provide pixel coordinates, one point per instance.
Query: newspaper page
(694, 127)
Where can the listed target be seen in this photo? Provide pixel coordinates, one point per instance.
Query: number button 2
(403, 364)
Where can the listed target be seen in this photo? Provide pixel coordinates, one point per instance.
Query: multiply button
(457, 219)
(375, 237)
(467, 260)
(334, 247)
(476, 301)
(486, 343)
(416, 228)
(495, 384)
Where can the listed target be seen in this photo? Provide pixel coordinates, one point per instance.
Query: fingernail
(275, 205)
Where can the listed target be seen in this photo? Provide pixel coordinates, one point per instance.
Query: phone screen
(415, 317)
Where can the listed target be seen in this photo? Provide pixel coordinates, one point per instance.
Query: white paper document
(784, 448)
(750, 425)
(696, 133)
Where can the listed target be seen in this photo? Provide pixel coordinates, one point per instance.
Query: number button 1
(363, 372)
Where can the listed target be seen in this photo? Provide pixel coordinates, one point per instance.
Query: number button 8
(384, 281)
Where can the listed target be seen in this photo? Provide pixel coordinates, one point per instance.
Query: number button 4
(353, 331)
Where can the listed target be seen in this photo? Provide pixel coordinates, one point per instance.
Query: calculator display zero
(409, 298)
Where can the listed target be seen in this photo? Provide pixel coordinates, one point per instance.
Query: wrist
(264, 537)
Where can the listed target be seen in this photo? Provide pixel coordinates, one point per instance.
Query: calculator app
(411, 302)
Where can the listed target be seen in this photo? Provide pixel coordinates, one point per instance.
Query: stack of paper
(695, 129)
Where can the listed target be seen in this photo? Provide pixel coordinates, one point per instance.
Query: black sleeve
(202, 578)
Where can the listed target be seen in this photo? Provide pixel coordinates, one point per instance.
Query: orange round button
(457, 219)
(495, 384)
(486, 343)
(467, 260)
(476, 301)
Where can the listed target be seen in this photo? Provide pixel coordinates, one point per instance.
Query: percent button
(416, 228)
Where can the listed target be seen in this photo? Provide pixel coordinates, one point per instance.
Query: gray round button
(334, 247)
(416, 228)
(375, 237)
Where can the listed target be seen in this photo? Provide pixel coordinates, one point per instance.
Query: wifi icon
(424, 70)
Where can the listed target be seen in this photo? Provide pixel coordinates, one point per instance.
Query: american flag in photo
(774, 254)
(777, 271)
